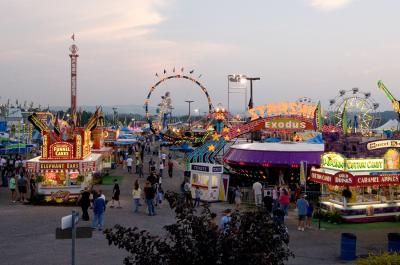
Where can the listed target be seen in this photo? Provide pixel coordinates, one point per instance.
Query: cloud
(329, 5)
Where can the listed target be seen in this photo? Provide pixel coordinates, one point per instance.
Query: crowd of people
(277, 201)
(15, 177)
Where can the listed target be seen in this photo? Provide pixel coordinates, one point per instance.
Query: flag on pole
(302, 173)
(73, 37)
(57, 126)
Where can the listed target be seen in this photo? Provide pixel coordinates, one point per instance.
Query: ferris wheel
(354, 109)
(165, 106)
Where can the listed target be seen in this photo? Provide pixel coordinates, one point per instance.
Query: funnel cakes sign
(61, 150)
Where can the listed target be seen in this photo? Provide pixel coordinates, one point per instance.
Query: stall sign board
(61, 150)
(288, 123)
(283, 109)
(58, 166)
(343, 178)
(217, 169)
(200, 168)
(333, 161)
(383, 144)
(365, 164)
(347, 179)
(320, 177)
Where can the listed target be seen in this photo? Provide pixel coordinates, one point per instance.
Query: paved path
(27, 233)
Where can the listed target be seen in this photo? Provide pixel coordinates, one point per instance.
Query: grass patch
(109, 180)
(359, 226)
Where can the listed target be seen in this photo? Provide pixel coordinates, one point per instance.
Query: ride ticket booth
(210, 180)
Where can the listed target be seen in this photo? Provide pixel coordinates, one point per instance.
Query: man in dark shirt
(149, 194)
(268, 201)
(99, 207)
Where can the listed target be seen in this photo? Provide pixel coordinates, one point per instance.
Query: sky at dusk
(299, 48)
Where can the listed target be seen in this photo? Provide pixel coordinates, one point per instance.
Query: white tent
(389, 125)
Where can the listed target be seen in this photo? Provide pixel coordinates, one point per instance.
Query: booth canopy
(261, 154)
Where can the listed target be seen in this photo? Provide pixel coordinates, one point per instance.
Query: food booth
(210, 180)
(66, 163)
(360, 189)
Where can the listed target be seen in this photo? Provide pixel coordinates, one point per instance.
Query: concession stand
(67, 163)
(360, 189)
(210, 180)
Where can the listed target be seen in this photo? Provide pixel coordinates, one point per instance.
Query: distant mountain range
(124, 109)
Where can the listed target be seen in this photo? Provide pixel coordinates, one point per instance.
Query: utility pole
(189, 102)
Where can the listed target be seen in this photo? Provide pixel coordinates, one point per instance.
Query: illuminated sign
(61, 150)
(333, 161)
(320, 177)
(338, 162)
(383, 144)
(343, 178)
(364, 164)
(284, 108)
(287, 124)
(347, 179)
(59, 166)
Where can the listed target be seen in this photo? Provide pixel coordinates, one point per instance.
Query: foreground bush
(250, 238)
(384, 259)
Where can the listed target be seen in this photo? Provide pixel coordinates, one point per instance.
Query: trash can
(394, 242)
(348, 246)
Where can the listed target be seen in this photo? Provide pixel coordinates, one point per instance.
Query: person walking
(161, 168)
(197, 196)
(268, 202)
(11, 186)
(149, 194)
(32, 185)
(170, 168)
(140, 173)
(116, 193)
(188, 193)
(84, 202)
(238, 197)
(163, 157)
(136, 194)
(129, 162)
(284, 200)
(225, 220)
(151, 161)
(302, 206)
(275, 197)
(22, 187)
(137, 164)
(257, 189)
(310, 211)
(99, 207)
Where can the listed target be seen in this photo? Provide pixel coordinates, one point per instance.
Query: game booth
(360, 189)
(210, 180)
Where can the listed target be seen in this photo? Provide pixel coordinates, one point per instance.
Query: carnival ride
(165, 106)
(353, 110)
(393, 100)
